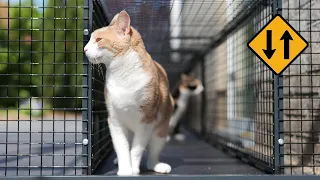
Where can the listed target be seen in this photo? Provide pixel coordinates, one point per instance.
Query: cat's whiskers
(100, 69)
(95, 59)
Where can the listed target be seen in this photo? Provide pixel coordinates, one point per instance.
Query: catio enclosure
(53, 119)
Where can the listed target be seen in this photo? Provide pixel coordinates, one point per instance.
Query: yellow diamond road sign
(277, 44)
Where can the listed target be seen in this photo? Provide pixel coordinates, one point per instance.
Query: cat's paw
(125, 172)
(115, 161)
(168, 138)
(180, 137)
(162, 168)
(135, 172)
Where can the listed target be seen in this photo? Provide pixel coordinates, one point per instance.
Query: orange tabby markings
(137, 95)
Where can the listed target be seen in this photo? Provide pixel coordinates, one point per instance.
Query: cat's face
(109, 42)
(191, 84)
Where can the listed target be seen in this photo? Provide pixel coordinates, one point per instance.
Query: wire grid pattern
(175, 30)
(41, 87)
(301, 92)
(239, 93)
(100, 136)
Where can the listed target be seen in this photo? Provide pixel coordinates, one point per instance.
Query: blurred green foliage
(49, 66)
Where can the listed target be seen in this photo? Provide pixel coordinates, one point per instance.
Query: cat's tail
(172, 101)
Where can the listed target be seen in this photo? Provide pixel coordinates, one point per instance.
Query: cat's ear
(183, 76)
(114, 19)
(122, 23)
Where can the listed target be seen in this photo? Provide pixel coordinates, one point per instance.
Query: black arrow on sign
(269, 51)
(286, 37)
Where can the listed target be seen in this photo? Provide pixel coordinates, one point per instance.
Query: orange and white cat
(137, 95)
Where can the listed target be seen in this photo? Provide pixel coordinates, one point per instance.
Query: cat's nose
(85, 49)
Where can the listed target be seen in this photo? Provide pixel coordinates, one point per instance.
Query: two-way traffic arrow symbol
(269, 51)
(277, 44)
(286, 37)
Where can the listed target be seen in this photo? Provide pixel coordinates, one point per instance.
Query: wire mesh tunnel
(53, 113)
(250, 111)
(41, 89)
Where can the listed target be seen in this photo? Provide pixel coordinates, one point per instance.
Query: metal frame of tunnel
(278, 149)
(97, 143)
(199, 58)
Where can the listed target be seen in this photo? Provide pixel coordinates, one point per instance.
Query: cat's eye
(98, 39)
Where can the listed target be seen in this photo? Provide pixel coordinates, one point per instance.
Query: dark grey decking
(193, 157)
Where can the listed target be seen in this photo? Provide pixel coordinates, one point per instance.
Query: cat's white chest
(126, 92)
(125, 101)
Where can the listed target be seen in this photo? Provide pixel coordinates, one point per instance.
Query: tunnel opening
(247, 120)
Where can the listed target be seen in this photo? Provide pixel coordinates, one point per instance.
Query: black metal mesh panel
(100, 136)
(301, 92)
(41, 71)
(52, 98)
(175, 30)
(239, 91)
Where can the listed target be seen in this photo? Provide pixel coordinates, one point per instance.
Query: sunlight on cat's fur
(137, 95)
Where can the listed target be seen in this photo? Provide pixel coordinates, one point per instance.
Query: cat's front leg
(140, 140)
(120, 139)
